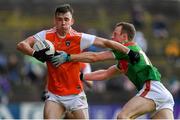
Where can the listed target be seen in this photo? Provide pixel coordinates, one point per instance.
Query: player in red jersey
(65, 89)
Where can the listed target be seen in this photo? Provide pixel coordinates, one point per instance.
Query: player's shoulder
(73, 32)
(51, 30)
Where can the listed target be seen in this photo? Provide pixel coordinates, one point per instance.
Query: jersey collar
(128, 43)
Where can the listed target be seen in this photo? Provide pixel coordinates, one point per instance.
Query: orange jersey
(64, 80)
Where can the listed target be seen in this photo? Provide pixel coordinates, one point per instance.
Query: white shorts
(70, 102)
(156, 91)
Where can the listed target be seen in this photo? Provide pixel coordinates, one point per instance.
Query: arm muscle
(110, 44)
(92, 56)
(26, 46)
(101, 74)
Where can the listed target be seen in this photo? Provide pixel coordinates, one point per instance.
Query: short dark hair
(127, 28)
(64, 9)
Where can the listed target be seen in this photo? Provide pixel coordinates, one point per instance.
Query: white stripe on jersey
(86, 41)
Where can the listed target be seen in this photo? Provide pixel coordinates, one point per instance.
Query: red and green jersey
(139, 72)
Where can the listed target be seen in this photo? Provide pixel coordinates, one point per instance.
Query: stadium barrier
(34, 110)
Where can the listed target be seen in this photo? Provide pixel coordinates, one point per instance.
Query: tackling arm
(101, 74)
(102, 42)
(62, 56)
(92, 56)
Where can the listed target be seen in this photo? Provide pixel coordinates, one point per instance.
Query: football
(39, 45)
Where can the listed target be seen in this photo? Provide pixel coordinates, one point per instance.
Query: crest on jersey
(68, 43)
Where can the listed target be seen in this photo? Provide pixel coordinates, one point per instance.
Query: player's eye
(66, 19)
(59, 19)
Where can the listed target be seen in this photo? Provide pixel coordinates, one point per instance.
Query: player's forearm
(102, 74)
(84, 57)
(117, 46)
(102, 42)
(96, 75)
(25, 48)
(92, 56)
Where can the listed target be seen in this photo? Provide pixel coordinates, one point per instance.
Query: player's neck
(61, 35)
(124, 41)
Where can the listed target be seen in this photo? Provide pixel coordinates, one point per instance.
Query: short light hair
(127, 28)
(64, 8)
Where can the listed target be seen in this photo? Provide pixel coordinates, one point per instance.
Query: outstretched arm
(92, 56)
(102, 74)
(102, 42)
(62, 56)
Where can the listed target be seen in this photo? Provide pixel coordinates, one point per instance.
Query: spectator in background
(138, 22)
(5, 88)
(4, 83)
(137, 14)
(172, 50)
(3, 59)
(141, 40)
(34, 70)
(160, 29)
(13, 69)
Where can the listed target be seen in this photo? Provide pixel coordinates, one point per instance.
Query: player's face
(63, 22)
(117, 34)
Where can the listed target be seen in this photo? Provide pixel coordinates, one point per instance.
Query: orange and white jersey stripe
(85, 67)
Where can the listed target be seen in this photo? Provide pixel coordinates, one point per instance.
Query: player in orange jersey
(87, 85)
(65, 89)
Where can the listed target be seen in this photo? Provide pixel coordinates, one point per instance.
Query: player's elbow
(107, 43)
(93, 57)
(20, 45)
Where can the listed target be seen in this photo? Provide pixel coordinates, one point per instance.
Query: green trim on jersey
(141, 71)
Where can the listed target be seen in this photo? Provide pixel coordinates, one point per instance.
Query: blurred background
(22, 78)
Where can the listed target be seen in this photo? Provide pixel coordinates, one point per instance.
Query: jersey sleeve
(40, 35)
(86, 41)
(119, 55)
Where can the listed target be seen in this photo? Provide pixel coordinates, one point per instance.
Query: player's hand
(134, 57)
(59, 58)
(41, 55)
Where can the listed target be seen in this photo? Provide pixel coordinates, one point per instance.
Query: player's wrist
(68, 57)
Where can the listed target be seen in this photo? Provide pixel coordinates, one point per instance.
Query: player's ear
(125, 36)
(72, 21)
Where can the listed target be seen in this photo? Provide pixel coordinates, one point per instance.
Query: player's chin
(65, 28)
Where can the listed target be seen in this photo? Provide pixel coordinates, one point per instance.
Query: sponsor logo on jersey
(68, 43)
